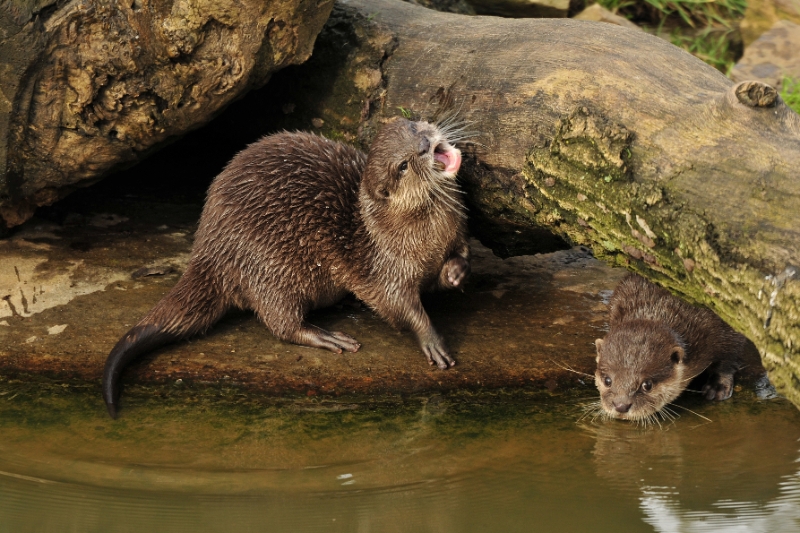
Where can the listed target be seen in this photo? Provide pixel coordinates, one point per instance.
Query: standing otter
(655, 346)
(297, 221)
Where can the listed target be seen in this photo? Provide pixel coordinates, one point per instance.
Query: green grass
(790, 92)
(704, 28)
(711, 45)
(692, 13)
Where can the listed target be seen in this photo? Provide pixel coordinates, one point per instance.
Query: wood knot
(756, 94)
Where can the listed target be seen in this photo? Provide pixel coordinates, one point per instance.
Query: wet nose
(424, 146)
(622, 407)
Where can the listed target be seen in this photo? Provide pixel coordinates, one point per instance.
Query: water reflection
(737, 473)
(442, 464)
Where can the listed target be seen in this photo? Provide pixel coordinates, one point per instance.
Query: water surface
(220, 460)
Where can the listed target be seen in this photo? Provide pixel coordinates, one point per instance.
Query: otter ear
(678, 355)
(598, 343)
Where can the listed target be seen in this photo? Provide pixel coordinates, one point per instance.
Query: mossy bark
(88, 85)
(602, 135)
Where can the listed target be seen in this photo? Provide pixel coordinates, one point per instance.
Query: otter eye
(403, 167)
(647, 385)
(607, 381)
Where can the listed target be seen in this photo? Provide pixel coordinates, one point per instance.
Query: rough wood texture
(87, 85)
(608, 137)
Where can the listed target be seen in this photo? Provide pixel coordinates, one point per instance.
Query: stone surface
(598, 13)
(69, 289)
(89, 85)
(761, 15)
(76, 277)
(771, 57)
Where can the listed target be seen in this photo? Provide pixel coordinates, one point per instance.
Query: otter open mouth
(446, 159)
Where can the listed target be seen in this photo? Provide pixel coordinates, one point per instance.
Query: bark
(88, 85)
(603, 135)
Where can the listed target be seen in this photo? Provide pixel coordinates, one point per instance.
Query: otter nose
(622, 407)
(424, 146)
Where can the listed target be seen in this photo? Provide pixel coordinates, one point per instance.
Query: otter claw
(335, 341)
(436, 354)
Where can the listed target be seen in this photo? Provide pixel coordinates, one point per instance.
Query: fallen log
(89, 85)
(602, 135)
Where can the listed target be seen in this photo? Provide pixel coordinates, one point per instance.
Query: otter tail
(191, 307)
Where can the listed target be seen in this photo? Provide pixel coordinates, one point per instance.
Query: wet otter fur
(296, 221)
(657, 344)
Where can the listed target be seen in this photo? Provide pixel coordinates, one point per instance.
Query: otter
(655, 346)
(296, 221)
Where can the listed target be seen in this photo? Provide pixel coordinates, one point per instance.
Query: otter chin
(656, 345)
(296, 221)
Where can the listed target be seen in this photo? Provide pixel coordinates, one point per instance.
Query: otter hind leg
(287, 324)
(335, 341)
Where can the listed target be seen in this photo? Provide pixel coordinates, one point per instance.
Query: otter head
(411, 165)
(640, 368)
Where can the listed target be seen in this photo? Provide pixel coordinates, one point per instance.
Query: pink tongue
(450, 159)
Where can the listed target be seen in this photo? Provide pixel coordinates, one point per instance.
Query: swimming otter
(655, 346)
(297, 221)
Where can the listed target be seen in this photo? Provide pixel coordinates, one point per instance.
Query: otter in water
(655, 346)
(296, 221)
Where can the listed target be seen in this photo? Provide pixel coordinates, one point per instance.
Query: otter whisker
(697, 373)
(583, 401)
(687, 409)
(565, 367)
(655, 419)
(447, 117)
(455, 126)
(597, 413)
(445, 199)
(672, 413)
(460, 135)
(667, 415)
(448, 186)
(593, 409)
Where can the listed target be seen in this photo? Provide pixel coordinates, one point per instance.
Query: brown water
(197, 461)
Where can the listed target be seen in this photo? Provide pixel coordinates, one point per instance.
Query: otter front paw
(454, 272)
(719, 386)
(436, 352)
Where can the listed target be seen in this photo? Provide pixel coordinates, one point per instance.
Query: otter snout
(424, 146)
(622, 406)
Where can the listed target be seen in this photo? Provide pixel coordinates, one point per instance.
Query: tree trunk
(87, 85)
(603, 135)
